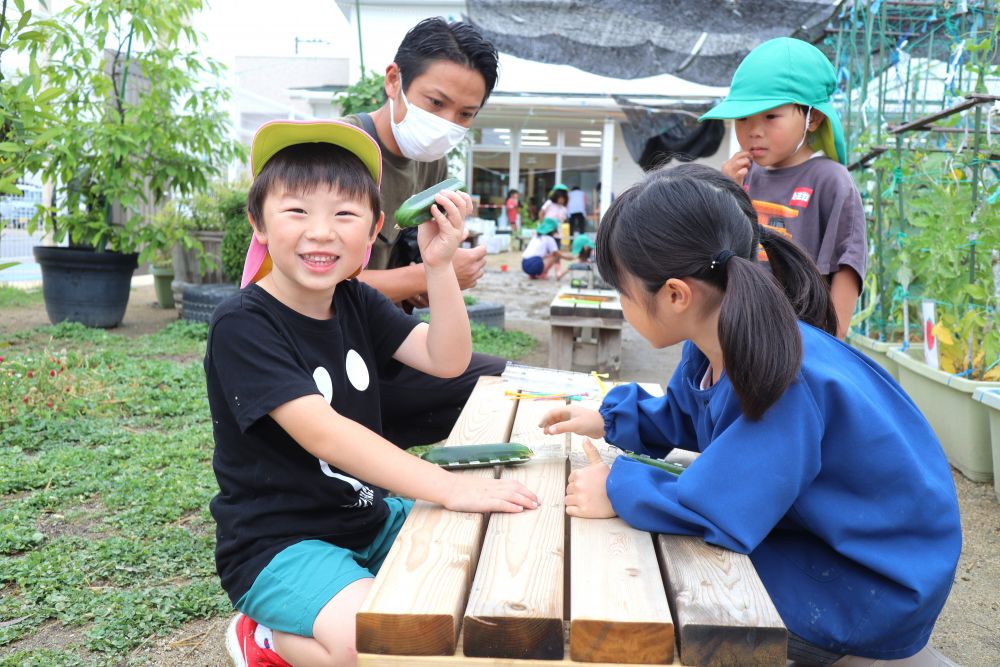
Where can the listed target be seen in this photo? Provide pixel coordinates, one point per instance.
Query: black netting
(694, 39)
(657, 136)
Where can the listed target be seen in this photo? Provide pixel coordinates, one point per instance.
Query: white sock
(263, 637)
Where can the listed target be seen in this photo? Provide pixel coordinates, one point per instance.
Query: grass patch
(501, 342)
(105, 479)
(15, 297)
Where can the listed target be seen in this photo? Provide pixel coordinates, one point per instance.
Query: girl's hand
(479, 494)
(737, 166)
(439, 237)
(587, 492)
(573, 419)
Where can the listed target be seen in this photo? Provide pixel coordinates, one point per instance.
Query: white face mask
(421, 135)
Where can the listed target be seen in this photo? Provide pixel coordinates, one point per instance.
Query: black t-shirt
(272, 492)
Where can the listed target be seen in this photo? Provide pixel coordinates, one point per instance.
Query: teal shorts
(290, 592)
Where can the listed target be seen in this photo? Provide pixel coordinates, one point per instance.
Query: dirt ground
(968, 630)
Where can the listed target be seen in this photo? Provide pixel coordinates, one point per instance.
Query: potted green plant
(210, 213)
(170, 229)
(138, 125)
(199, 300)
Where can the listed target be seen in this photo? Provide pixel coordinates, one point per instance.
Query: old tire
(199, 301)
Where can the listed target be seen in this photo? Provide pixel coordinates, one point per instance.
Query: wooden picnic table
(537, 587)
(586, 330)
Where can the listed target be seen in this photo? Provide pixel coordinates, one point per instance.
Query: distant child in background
(303, 515)
(780, 98)
(555, 206)
(576, 208)
(813, 460)
(543, 252)
(582, 248)
(512, 211)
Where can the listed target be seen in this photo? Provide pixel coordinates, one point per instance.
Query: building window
(583, 138)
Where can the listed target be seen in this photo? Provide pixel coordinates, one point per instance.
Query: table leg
(609, 349)
(561, 348)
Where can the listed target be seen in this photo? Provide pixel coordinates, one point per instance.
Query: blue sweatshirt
(840, 494)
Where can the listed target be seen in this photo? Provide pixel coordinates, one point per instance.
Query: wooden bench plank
(598, 322)
(516, 605)
(418, 597)
(724, 614)
(618, 609)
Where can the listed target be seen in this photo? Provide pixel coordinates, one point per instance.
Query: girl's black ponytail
(804, 286)
(692, 221)
(759, 336)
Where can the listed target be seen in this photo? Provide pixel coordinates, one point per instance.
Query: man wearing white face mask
(440, 78)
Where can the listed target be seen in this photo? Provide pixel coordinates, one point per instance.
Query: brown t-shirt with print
(817, 205)
(401, 178)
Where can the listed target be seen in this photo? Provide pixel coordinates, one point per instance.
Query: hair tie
(720, 260)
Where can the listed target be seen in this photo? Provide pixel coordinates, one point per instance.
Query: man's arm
(409, 281)
(845, 287)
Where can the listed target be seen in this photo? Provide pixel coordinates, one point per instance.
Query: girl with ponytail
(812, 459)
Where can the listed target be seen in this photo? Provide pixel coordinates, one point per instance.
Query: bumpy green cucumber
(656, 463)
(471, 456)
(417, 209)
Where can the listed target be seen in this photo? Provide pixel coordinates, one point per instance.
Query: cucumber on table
(674, 468)
(417, 209)
(474, 456)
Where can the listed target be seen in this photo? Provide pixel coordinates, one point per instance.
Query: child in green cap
(792, 160)
(543, 251)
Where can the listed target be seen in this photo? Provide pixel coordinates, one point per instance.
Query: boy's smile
(771, 137)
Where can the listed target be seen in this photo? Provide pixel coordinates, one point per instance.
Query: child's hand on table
(586, 492)
(573, 419)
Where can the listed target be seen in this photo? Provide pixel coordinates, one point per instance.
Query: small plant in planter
(950, 259)
(137, 125)
(170, 229)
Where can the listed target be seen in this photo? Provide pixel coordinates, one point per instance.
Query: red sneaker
(243, 648)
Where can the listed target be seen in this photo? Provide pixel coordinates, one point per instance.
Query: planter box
(875, 350)
(961, 423)
(991, 399)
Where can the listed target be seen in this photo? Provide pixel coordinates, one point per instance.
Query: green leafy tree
(139, 123)
(366, 94)
(27, 121)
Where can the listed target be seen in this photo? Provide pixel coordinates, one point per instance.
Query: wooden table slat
(429, 566)
(723, 612)
(516, 605)
(618, 609)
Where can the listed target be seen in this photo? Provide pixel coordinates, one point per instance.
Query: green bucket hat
(786, 71)
(547, 226)
(580, 242)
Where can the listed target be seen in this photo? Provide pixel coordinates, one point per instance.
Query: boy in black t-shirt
(303, 518)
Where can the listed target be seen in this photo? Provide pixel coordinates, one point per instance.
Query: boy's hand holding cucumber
(443, 208)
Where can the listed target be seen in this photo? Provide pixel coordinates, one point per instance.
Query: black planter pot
(84, 286)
